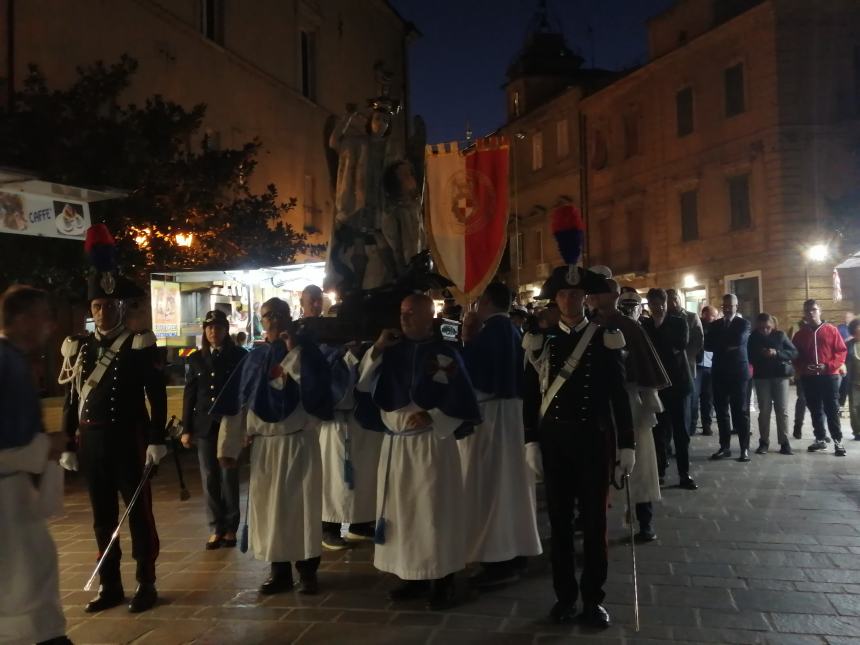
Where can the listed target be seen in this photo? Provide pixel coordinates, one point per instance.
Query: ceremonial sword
(113, 538)
(632, 554)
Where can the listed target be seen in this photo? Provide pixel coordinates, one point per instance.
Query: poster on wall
(28, 214)
(166, 310)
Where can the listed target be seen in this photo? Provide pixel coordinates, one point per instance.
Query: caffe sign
(45, 215)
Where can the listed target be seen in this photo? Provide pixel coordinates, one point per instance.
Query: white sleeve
(231, 435)
(443, 425)
(292, 364)
(367, 371)
(31, 458)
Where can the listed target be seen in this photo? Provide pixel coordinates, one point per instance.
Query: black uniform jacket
(670, 340)
(593, 399)
(118, 401)
(728, 341)
(207, 373)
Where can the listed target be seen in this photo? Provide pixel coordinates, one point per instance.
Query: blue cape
(407, 376)
(495, 359)
(249, 385)
(20, 407)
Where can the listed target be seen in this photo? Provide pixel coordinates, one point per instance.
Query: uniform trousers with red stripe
(112, 461)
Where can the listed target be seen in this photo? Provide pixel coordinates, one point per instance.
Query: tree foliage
(159, 155)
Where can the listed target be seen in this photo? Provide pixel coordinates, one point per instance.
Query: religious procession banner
(166, 308)
(468, 210)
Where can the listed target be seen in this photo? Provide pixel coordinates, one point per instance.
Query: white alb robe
(422, 500)
(30, 608)
(285, 510)
(340, 503)
(644, 480)
(501, 521)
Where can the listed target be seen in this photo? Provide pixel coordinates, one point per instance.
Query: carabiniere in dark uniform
(111, 433)
(585, 422)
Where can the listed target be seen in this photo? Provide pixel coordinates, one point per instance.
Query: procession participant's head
(312, 301)
(216, 329)
(241, 338)
(630, 304)
(673, 301)
(607, 301)
(416, 316)
(854, 329)
(709, 314)
(275, 317)
(27, 317)
(568, 286)
(765, 323)
(519, 315)
(730, 305)
(657, 303)
(496, 299)
(811, 312)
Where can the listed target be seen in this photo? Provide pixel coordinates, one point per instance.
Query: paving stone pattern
(765, 552)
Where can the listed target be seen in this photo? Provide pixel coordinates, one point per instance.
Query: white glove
(534, 460)
(626, 460)
(69, 460)
(155, 452)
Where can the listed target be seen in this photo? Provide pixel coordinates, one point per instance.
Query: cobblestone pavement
(764, 552)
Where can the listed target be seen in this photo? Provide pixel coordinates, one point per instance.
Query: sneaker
(334, 543)
(839, 448)
(818, 444)
(762, 449)
(785, 449)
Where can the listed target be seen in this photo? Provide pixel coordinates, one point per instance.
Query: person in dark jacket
(730, 375)
(771, 355)
(670, 335)
(852, 363)
(208, 371)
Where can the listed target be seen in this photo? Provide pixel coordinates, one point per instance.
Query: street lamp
(816, 253)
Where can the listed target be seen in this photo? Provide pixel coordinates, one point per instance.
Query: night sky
(458, 66)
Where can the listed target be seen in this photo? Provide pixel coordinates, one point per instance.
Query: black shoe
(108, 597)
(826, 439)
(594, 616)
(707, 432)
(214, 542)
(818, 444)
(661, 480)
(409, 590)
(785, 449)
(798, 433)
(229, 543)
(520, 564)
(309, 585)
(59, 640)
(280, 579)
(645, 535)
(839, 448)
(722, 453)
(762, 449)
(361, 532)
(144, 598)
(857, 437)
(562, 612)
(688, 483)
(745, 455)
(494, 574)
(334, 543)
(443, 595)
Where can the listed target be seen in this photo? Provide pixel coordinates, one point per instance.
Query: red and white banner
(468, 211)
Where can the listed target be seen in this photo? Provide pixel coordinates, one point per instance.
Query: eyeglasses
(270, 314)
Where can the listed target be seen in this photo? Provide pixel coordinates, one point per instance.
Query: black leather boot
(144, 598)
(108, 596)
(280, 579)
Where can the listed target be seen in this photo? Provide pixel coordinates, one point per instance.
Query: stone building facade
(713, 167)
(272, 69)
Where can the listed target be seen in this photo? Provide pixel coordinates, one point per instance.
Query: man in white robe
(279, 398)
(425, 398)
(30, 481)
(350, 454)
(498, 486)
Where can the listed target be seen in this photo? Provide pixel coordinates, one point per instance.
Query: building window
(537, 151)
(308, 57)
(689, 216)
(739, 202)
(562, 140)
(515, 104)
(684, 111)
(631, 135)
(310, 209)
(212, 20)
(734, 81)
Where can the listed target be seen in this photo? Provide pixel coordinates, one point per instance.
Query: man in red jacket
(822, 353)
